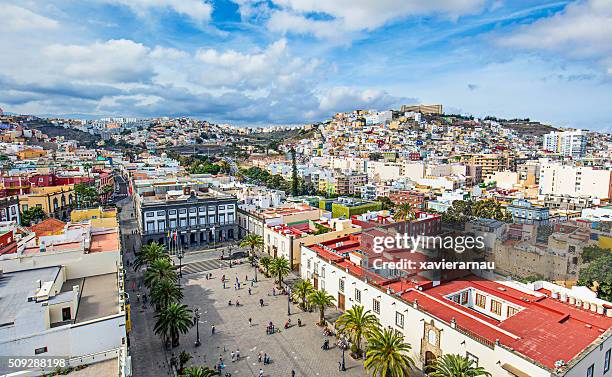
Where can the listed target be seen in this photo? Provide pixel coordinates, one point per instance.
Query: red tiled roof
(47, 227)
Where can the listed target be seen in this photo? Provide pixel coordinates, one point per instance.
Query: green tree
(252, 241)
(173, 320)
(321, 300)
(357, 323)
(266, 262)
(301, 290)
(159, 270)
(199, 372)
(184, 358)
(598, 274)
(386, 202)
(150, 252)
(280, 268)
(592, 252)
(403, 212)
(32, 216)
(387, 354)
(86, 195)
(451, 365)
(294, 174)
(165, 292)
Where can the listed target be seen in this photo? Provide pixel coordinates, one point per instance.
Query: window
(193, 221)
(172, 212)
(481, 300)
(183, 223)
(512, 311)
(40, 350)
(161, 213)
(341, 285)
(464, 297)
(607, 361)
(202, 209)
(24, 207)
(591, 371)
(192, 210)
(150, 214)
(357, 295)
(496, 307)
(172, 224)
(322, 272)
(150, 226)
(472, 358)
(221, 208)
(376, 306)
(308, 264)
(182, 211)
(230, 206)
(211, 219)
(161, 225)
(322, 285)
(399, 320)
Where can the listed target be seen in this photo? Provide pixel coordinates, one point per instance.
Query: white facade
(557, 179)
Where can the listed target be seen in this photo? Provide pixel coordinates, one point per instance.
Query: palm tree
(199, 372)
(403, 212)
(172, 320)
(387, 354)
(165, 292)
(150, 252)
(184, 357)
(253, 241)
(322, 300)
(266, 261)
(159, 269)
(451, 365)
(357, 323)
(280, 268)
(301, 290)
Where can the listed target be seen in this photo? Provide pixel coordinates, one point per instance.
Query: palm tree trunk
(322, 315)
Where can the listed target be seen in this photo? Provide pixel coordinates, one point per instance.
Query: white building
(568, 143)
(557, 179)
(509, 329)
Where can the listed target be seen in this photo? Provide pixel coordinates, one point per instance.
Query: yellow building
(55, 201)
(30, 153)
(100, 217)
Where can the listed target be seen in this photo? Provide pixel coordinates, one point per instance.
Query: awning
(514, 371)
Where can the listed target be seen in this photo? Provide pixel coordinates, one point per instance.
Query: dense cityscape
(306, 188)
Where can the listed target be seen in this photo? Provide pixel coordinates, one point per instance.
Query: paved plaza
(296, 348)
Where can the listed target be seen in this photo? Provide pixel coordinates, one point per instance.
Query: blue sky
(297, 61)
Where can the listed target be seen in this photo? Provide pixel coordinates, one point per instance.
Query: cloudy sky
(295, 61)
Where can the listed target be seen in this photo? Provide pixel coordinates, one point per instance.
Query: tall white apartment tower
(568, 143)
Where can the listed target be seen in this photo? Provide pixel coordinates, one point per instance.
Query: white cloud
(17, 19)
(350, 16)
(582, 30)
(114, 61)
(348, 98)
(199, 10)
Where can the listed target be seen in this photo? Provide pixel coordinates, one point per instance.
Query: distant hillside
(527, 127)
(52, 130)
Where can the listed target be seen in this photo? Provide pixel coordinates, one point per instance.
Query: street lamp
(180, 256)
(289, 301)
(343, 344)
(197, 321)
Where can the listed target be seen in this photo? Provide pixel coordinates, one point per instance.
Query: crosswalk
(202, 266)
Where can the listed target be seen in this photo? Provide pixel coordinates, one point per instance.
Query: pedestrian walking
(273, 291)
(261, 302)
(212, 329)
(237, 354)
(238, 285)
(292, 373)
(246, 277)
(339, 366)
(249, 291)
(259, 356)
(232, 356)
(250, 321)
(261, 374)
(265, 358)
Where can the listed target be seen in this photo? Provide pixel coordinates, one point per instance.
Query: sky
(300, 61)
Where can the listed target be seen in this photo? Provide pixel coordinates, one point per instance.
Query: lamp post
(180, 256)
(343, 344)
(288, 301)
(197, 321)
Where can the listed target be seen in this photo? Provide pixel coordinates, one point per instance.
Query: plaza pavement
(296, 348)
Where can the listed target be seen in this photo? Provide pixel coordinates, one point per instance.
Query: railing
(475, 336)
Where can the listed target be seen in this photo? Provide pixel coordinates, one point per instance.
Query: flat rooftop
(99, 298)
(16, 287)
